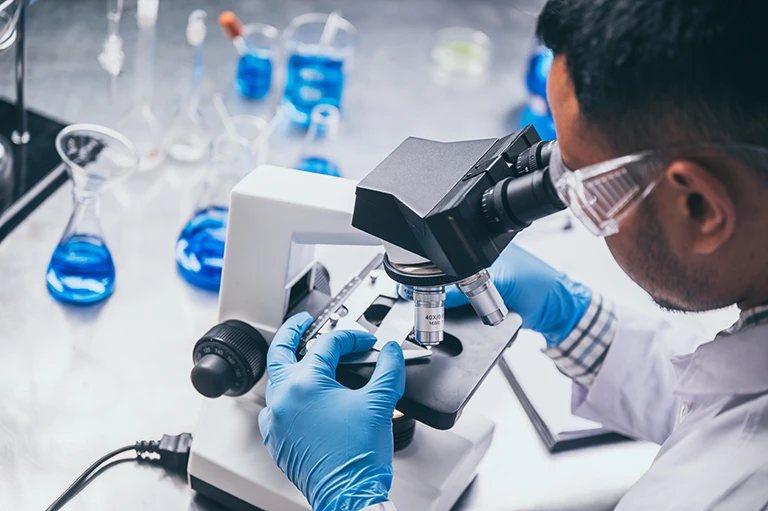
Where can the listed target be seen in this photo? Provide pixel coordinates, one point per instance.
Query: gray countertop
(78, 382)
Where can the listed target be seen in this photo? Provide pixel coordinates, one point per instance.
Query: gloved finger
(265, 420)
(388, 380)
(268, 393)
(329, 348)
(454, 297)
(282, 350)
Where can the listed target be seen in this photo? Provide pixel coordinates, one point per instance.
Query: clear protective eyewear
(603, 195)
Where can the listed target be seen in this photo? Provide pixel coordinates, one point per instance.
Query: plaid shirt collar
(747, 318)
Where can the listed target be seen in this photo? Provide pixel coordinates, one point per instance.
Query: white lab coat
(707, 404)
(708, 408)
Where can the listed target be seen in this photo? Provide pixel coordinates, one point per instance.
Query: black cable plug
(172, 454)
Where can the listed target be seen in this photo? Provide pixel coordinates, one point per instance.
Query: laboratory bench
(78, 382)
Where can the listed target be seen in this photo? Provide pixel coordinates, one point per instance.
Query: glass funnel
(81, 270)
(200, 247)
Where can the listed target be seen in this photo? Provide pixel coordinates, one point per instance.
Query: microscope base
(230, 464)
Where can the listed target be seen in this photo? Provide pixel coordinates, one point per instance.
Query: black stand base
(37, 169)
(230, 501)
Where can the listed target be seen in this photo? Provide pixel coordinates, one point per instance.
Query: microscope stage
(439, 386)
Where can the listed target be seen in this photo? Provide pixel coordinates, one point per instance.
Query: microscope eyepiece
(534, 158)
(513, 203)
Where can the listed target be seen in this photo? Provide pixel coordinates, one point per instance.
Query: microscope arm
(276, 218)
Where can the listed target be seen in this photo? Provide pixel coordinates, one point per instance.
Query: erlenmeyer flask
(319, 152)
(81, 269)
(200, 247)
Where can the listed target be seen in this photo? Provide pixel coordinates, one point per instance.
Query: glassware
(140, 124)
(186, 139)
(81, 270)
(319, 50)
(112, 58)
(462, 50)
(6, 175)
(9, 15)
(200, 247)
(536, 110)
(255, 68)
(251, 128)
(319, 152)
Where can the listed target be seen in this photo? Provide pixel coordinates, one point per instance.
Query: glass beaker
(318, 154)
(200, 247)
(255, 67)
(536, 110)
(81, 270)
(319, 49)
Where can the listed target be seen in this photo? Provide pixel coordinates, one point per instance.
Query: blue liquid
(200, 249)
(312, 80)
(81, 270)
(318, 165)
(537, 111)
(254, 75)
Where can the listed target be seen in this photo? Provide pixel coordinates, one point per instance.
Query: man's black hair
(649, 73)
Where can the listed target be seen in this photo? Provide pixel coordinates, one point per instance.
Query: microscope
(443, 213)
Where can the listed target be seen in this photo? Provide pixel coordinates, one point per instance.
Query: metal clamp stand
(37, 169)
(21, 134)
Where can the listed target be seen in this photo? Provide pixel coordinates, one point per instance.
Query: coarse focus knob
(229, 359)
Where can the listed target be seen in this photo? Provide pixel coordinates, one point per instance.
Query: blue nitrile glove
(547, 300)
(335, 444)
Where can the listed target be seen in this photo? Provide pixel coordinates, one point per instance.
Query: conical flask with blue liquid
(200, 247)
(81, 270)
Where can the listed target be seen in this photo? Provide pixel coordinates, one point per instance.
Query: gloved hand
(547, 300)
(335, 444)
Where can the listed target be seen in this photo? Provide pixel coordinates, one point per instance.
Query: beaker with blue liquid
(319, 51)
(536, 110)
(81, 270)
(256, 66)
(320, 150)
(200, 247)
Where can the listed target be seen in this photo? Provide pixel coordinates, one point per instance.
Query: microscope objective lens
(429, 315)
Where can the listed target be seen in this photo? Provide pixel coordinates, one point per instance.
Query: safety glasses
(603, 195)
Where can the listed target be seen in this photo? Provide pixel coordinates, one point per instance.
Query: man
(684, 81)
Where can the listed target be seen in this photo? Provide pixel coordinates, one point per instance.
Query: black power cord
(171, 452)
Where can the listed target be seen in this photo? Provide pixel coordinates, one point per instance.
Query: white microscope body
(276, 218)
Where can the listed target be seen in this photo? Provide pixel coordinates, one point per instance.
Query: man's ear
(705, 203)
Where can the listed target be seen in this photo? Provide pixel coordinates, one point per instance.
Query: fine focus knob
(229, 359)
